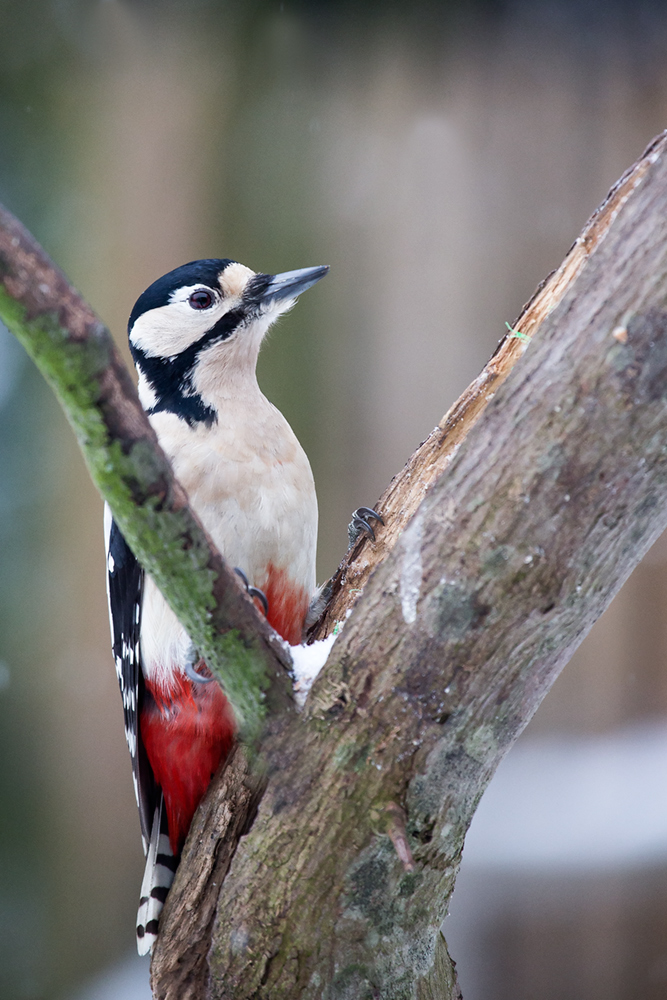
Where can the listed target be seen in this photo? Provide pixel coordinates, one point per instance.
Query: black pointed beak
(267, 288)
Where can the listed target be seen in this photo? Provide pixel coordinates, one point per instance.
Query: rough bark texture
(234, 795)
(549, 500)
(77, 356)
(409, 487)
(485, 580)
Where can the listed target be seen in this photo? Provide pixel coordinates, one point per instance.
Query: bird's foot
(360, 522)
(254, 592)
(194, 660)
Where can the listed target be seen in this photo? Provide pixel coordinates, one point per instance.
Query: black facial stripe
(171, 378)
(255, 289)
(197, 272)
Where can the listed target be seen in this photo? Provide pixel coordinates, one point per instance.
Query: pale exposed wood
(408, 488)
(555, 486)
(508, 534)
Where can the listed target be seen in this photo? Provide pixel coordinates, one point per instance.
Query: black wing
(125, 579)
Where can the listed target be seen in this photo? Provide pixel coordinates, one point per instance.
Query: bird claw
(189, 669)
(254, 592)
(261, 597)
(360, 522)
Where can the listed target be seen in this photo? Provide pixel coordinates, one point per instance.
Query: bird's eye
(201, 300)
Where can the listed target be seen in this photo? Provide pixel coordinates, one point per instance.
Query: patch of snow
(307, 661)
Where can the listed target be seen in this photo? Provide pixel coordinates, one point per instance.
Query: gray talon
(254, 591)
(360, 522)
(261, 597)
(190, 671)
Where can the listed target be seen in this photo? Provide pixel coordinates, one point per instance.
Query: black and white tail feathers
(161, 865)
(125, 588)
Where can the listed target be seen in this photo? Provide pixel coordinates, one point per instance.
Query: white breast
(249, 481)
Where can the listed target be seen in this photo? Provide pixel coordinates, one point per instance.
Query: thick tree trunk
(555, 486)
(507, 535)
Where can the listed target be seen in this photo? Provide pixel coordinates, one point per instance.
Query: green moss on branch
(78, 358)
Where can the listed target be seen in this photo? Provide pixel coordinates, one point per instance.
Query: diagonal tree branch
(77, 356)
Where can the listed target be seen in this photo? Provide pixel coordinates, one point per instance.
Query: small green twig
(517, 333)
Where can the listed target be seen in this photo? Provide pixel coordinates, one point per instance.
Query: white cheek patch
(168, 330)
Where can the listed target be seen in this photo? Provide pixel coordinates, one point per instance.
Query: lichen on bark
(77, 356)
(507, 535)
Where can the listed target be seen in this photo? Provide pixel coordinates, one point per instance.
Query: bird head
(196, 331)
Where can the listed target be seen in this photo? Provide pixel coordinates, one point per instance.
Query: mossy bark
(77, 356)
(507, 535)
(554, 489)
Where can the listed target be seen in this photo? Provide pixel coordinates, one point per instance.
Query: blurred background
(441, 157)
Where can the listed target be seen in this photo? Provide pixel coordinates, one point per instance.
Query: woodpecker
(195, 335)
